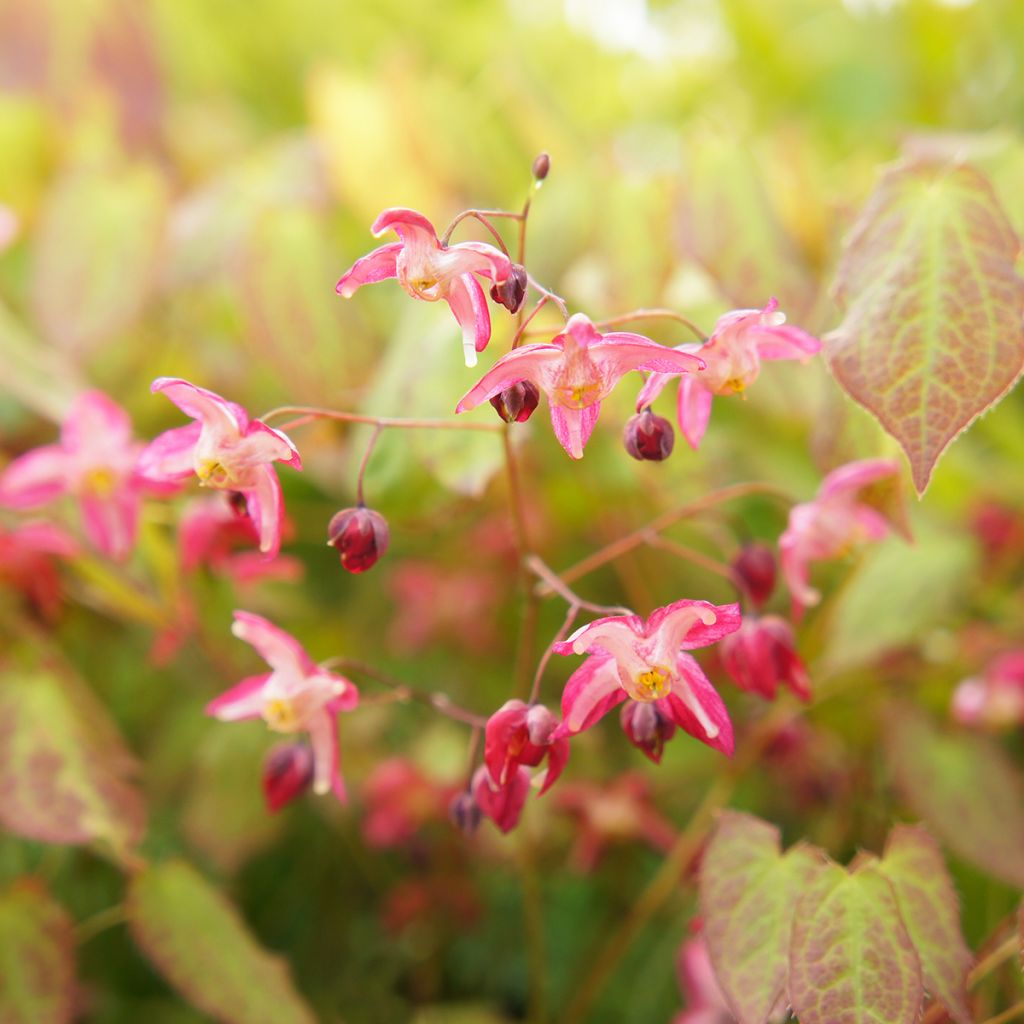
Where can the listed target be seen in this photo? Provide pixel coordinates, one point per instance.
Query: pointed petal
(618, 353)
(854, 475)
(573, 427)
(35, 478)
(558, 755)
(693, 410)
(653, 387)
(590, 693)
(467, 302)
(266, 507)
(686, 625)
(263, 444)
(617, 635)
(694, 705)
(280, 650)
(785, 343)
(527, 363)
(171, 455)
(502, 804)
(506, 724)
(219, 415)
(323, 738)
(94, 415)
(378, 265)
(111, 523)
(411, 227)
(244, 700)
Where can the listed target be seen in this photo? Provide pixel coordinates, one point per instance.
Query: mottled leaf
(748, 890)
(932, 334)
(966, 789)
(65, 774)
(931, 912)
(96, 252)
(851, 959)
(37, 957)
(199, 943)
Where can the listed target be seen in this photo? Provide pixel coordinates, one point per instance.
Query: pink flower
(576, 370)
(26, 563)
(502, 804)
(96, 461)
(295, 696)
(733, 353)
(227, 451)
(761, 654)
(833, 523)
(996, 699)
(428, 270)
(518, 735)
(646, 661)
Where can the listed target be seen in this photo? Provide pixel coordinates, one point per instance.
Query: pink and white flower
(733, 353)
(761, 654)
(647, 662)
(428, 270)
(577, 369)
(832, 524)
(97, 462)
(227, 451)
(518, 735)
(295, 696)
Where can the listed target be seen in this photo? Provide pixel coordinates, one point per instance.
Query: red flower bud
(516, 403)
(287, 774)
(464, 813)
(541, 166)
(648, 437)
(754, 572)
(761, 654)
(360, 535)
(647, 728)
(511, 292)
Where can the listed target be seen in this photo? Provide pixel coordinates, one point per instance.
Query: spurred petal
(483, 259)
(262, 444)
(695, 706)
(323, 738)
(378, 265)
(35, 478)
(243, 700)
(618, 353)
(687, 625)
(527, 363)
(617, 635)
(280, 650)
(785, 343)
(111, 523)
(171, 455)
(94, 415)
(219, 415)
(468, 303)
(266, 506)
(854, 475)
(590, 693)
(693, 409)
(573, 427)
(653, 386)
(411, 227)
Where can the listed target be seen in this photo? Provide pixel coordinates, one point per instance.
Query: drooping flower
(97, 462)
(832, 524)
(576, 370)
(428, 270)
(287, 774)
(517, 735)
(761, 654)
(994, 700)
(227, 451)
(360, 536)
(502, 804)
(26, 563)
(295, 696)
(646, 662)
(733, 353)
(753, 571)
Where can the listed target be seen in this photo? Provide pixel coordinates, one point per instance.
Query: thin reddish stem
(689, 554)
(570, 618)
(308, 413)
(652, 314)
(481, 216)
(558, 586)
(365, 462)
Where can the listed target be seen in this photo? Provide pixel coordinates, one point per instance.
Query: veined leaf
(933, 331)
(200, 944)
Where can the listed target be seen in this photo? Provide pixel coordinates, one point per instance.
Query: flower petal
(266, 507)
(46, 538)
(617, 635)
(95, 415)
(411, 227)
(527, 363)
(38, 476)
(171, 455)
(467, 302)
(481, 258)
(323, 738)
(854, 475)
(280, 650)
(262, 444)
(111, 523)
(693, 409)
(378, 265)
(694, 705)
(653, 386)
(502, 804)
(347, 700)
(785, 343)
(618, 353)
(686, 625)
(558, 755)
(244, 700)
(590, 693)
(221, 416)
(573, 427)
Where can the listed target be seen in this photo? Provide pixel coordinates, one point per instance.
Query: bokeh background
(183, 181)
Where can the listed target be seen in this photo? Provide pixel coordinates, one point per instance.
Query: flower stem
(365, 462)
(689, 554)
(308, 413)
(558, 586)
(483, 216)
(100, 922)
(570, 618)
(652, 314)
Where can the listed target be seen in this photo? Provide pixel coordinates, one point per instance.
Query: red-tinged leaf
(65, 774)
(37, 957)
(932, 334)
(851, 959)
(200, 944)
(966, 789)
(748, 890)
(929, 907)
(96, 253)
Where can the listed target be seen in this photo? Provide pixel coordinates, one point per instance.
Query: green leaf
(96, 252)
(199, 943)
(748, 890)
(37, 957)
(967, 790)
(851, 958)
(930, 910)
(65, 774)
(932, 334)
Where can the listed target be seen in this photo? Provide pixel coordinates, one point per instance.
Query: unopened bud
(464, 813)
(648, 437)
(647, 728)
(516, 403)
(360, 535)
(287, 773)
(754, 572)
(511, 292)
(541, 166)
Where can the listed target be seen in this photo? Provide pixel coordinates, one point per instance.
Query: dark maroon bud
(511, 292)
(516, 403)
(360, 535)
(287, 774)
(754, 572)
(541, 166)
(648, 437)
(647, 728)
(236, 499)
(464, 813)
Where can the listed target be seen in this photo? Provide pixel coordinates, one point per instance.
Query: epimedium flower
(97, 462)
(521, 735)
(733, 354)
(577, 369)
(832, 524)
(295, 696)
(761, 654)
(428, 270)
(646, 661)
(227, 451)
(503, 804)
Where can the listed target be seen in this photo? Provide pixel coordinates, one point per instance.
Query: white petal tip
(321, 788)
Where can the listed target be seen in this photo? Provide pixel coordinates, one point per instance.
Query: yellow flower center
(100, 482)
(279, 714)
(654, 683)
(422, 287)
(734, 386)
(212, 473)
(579, 396)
